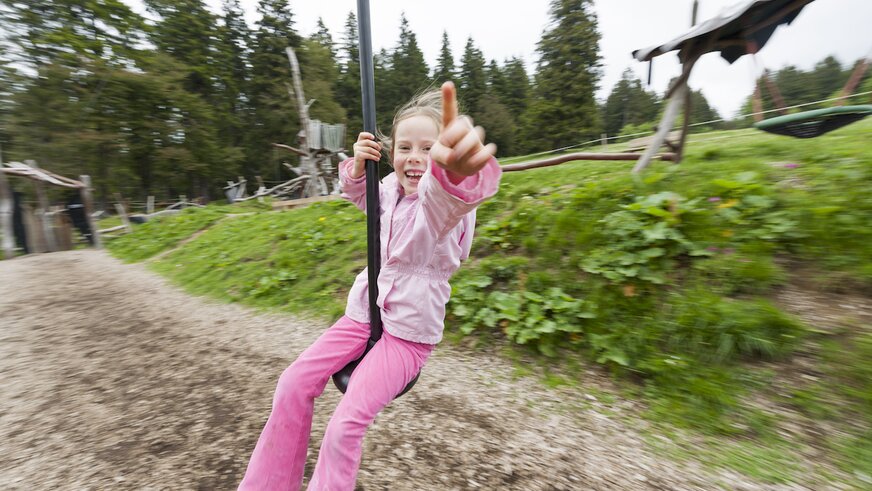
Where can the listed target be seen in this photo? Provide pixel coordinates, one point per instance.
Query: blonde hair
(426, 103)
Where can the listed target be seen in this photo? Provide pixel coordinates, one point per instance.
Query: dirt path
(113, 379)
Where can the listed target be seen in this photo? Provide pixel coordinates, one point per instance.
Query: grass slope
(667, 280)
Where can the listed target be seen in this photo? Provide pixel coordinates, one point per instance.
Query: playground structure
(816, 122)
(319, 144)
(742, 30)
(51, 228)
(44, 229)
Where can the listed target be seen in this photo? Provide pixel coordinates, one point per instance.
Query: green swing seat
(809, 124)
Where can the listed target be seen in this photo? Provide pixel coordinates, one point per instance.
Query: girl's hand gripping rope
(460, 149)
(366, 148)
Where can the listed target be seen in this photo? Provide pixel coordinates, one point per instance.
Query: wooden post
(119, 207)
(41, 214)
(149, 205)
(88, 203)
(6, 205)
(33, 229)
(685, 128)
(63, 229)
(672, 110)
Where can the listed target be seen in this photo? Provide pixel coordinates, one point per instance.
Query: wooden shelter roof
(37, 174)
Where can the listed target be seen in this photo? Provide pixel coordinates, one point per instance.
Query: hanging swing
(810, 124)
(373, 246)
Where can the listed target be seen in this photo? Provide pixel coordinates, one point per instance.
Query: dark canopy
(731, 32)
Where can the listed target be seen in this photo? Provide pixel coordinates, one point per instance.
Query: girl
(442, 171)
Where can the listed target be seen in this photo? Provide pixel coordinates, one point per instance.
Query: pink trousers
(280, 454)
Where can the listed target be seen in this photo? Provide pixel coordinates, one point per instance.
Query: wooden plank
(296, 203)
(33, 229)
(149, 205)
(88, 203)
(47, 233)
(63, 230)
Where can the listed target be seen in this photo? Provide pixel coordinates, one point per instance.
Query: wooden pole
(119, 207)
(579, 156)
(685, 128)
(41, 214)
(6, 205)
(88, 203)
(149, 205)
(672, 110)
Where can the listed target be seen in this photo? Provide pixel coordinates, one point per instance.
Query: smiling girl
(442, 172)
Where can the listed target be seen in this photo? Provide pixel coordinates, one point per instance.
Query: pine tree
(233, 74)
(472, 78)
(409, 72)
(322, 36)
(445, 64)
(275, 115)
(348, 88)
(563, 111)
(515, 92)
(628, 103)
(68, 31)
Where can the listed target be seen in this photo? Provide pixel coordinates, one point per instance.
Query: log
(578, 156)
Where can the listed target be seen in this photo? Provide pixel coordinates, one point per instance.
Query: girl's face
(411, 153)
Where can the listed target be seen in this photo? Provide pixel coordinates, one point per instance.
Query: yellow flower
(322, 219)
(727, 233)
(729, 204)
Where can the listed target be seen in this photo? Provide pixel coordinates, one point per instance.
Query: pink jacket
(424, 236)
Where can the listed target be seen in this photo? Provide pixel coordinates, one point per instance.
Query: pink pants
(280, 454)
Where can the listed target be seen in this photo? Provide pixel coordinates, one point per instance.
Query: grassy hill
(676, 282)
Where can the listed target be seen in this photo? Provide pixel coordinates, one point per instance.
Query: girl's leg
(382, 374)
(280, 454)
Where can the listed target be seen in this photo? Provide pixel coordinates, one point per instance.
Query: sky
(502, 29)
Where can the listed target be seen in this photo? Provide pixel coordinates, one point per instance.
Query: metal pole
(373, 242)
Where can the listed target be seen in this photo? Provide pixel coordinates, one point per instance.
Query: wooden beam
(291, 149)
(578, 156)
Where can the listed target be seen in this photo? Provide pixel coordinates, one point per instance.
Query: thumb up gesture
(460, 148)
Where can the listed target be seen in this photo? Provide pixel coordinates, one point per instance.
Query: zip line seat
(809, 124)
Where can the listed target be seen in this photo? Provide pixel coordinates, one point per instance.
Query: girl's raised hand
(366, 148)
(460, 147)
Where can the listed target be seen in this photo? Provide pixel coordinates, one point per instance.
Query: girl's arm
(353, 189)
(463, 169)
(352, 177)
(445, 202)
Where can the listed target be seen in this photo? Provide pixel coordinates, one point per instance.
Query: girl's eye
(404, 148)
(427, 148)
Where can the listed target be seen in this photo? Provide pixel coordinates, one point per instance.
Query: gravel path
(114, 379)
